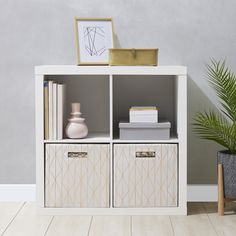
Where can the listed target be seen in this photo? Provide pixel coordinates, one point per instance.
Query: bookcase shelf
(171, 140)
(91, 138)
(106, 93)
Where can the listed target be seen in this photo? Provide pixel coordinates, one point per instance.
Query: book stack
(143, 114)
(53, 110)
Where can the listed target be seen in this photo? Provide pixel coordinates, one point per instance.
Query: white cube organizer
(77, 175)
(103, 174)
(145, 175)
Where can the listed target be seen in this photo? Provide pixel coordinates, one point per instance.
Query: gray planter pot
(229, 172)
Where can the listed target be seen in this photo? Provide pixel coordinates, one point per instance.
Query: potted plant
(221, 126)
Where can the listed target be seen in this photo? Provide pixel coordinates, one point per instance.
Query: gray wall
(34, 32)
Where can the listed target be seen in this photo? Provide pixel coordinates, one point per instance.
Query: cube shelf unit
(105, 94)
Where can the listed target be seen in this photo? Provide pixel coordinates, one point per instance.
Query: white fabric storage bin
(77, 175)
(145, 175)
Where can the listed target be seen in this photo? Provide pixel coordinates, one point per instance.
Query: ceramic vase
(76, 128)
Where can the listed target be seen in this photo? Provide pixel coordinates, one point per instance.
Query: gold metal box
(133, 57)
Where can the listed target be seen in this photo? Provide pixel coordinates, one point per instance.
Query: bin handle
(77, 154)
(145, 154)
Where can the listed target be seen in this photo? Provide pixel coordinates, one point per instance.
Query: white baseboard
(202, 193)
(26, 192)
(17, 192)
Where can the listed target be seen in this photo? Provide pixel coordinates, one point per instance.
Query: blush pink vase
(76, 128)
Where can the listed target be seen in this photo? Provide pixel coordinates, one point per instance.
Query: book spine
(54, 111)
(60, 108)
(46, 111)
(50, 105)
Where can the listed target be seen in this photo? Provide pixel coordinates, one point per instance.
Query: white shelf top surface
(109, 70)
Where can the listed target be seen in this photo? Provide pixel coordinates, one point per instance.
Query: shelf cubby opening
(92, 92)
(144, 90)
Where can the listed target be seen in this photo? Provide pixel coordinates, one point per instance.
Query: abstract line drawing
(94, 37)
(95, 42)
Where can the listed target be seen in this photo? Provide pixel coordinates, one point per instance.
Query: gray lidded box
(144, 131)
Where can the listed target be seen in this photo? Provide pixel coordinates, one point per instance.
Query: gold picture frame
(93, 38)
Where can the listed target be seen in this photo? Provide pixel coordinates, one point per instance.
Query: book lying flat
(139, 108)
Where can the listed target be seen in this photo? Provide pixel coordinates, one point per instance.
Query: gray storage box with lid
(144, 131)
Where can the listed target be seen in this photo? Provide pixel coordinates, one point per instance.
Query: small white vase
(76, 128)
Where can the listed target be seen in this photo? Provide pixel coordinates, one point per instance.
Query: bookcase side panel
(182, 136)
(39, 122)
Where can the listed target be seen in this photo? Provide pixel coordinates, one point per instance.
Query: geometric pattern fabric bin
(77, 175)
(145, 175)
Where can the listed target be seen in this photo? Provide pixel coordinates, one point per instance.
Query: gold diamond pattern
(145, 182)
(77, 182)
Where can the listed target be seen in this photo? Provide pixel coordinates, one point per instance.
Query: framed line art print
(94, 36)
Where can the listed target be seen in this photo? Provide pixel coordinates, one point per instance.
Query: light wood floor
(20, 219)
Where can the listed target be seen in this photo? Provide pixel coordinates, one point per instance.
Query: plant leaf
(213, 127)
(224, 82)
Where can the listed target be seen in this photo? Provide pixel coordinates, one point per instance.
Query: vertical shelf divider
(111, 104)
(111, 137)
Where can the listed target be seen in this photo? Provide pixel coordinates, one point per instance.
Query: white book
(50, 105)
(60, 108)
(46, 115)
(54, 111)
(143, 110)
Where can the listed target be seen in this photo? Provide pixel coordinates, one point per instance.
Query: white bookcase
(105, 94)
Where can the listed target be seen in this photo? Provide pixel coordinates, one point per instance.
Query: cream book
(150, 109)
(46, 111)
(50, 105)
(54, 112)
(60, 109)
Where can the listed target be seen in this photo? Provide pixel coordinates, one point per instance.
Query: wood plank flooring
(20, 219)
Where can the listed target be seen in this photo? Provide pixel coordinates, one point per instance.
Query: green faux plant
(220, 126)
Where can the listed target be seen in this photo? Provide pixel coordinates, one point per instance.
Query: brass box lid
(133, 57)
